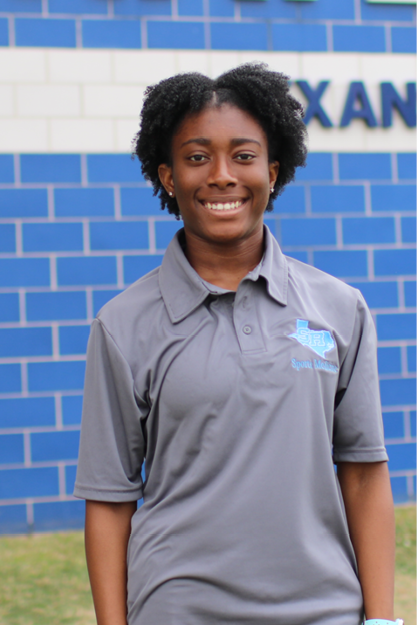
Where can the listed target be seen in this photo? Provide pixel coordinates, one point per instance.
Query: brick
(408, 229)
(301, 256)
(190, 7)
(13, 519)
(393, 424)
(142, 7)
(134, 267)
(398, 392)
(410, 293)
(119, 235)
(396, 326)
(23, 203)
(6, 167)
(413, 423)
(26, 412)
(386, 12)
(52, 237)
(7, 238)
(58, 515)
(358, 38)
(411, 358)
(319, 167)
(21, 6)
(18, 342)
(365, 166)
(139, 201)
(299, 37)
(71, 409)
(308, 232)
(406, 166)
(79, 7)
(342, 264)
(88, 270)
(11, 449)
(10, 379)
(337, 199)
(45, 32)
(398, 197)
(70, 475)
(389, 360)
(50, 168)
(33, 482)
(271, 222)
(16, 272)
(238, 36)
(113, 168)
(403, 39)
(73, 339)
(402, 456)
(328, 9)
(272, 8)
(56, 306)
(4, 32)
(221, 8)
(394, 262)
(84, 202)
(378, 294)
(164, 232)
(292, 200)
(102, 297)
(111, 34)
(54, 446)
(9, 307)
(56, 376)
(399, 489)
(182, 35)
(368, 230)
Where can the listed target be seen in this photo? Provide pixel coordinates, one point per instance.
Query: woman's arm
(107, 531)
(369, 507)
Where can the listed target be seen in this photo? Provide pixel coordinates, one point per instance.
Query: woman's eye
(245, 157)
(197, 158)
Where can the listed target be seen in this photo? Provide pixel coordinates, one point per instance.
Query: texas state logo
(320, 341)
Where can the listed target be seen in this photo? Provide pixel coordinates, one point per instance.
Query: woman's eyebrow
(237, 141)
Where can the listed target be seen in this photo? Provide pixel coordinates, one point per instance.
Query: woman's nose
(221, 174)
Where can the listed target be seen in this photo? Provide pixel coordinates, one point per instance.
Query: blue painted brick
(10, 379)
(272, 224)
(410, 293)
(21, 6)
(119, 235)
(394, 262)
(396, 326)
(50, 167)
(58, 515)
(4, 32)
(51, 446)
(183, 35)
(413, 423)
(389, 360)
(238, 36)
(337, 199)
(398, 197)
(139, 201)
(79, 7)
(308, 232)
(13, 519)
(33, 482)
(134, 267)
(87, 270)
(164, 232)
(190, 7)
(71, 409)
(364, 166)
(111, 34)
(17, 342)
(221, 8)
(319, 167)
(403, 39)
(56, 306)
(56, 376)
(11, 449)
(23, 203)
(342, 264)
(411, 358)
(52, 237)
(299, 37)
(368, 230)
(45, 32)
(24, 272)
(84, 202)
(102, 297)
(7, 238)
(358, 38)
(292, 200)
(142, 7)
(386, 12)
(402, 456)
(378, 294)
(272, 8)
(408, 229)
(399, 489)
(9, 307)
(398, 392)
(70, 475)
(113, 168)
(406, 166)
(393, 424)
(301, 256)
(328, 9)
(73, 339)
(6, 160)
(23, 412)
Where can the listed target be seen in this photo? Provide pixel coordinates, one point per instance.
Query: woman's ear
(273, 173)
(167, 181)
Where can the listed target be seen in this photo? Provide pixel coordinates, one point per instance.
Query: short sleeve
(358, 434)
(112, 441)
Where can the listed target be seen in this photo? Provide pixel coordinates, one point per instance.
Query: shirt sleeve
(358, 434)
(112, 442)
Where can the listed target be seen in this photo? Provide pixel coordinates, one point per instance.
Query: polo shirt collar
(183, 290)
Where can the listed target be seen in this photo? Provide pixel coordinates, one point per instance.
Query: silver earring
(170, 193)
(271, 190)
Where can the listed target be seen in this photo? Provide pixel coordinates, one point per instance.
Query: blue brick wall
(65, 253)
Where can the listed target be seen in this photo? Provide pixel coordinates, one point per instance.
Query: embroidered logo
(320, 341)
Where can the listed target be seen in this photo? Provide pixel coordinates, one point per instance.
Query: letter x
(314, 108)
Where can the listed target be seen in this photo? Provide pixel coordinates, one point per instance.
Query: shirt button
(247, 329)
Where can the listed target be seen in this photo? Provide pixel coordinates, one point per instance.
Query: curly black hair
(253, 88)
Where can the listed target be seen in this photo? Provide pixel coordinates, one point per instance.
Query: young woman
(240, 376)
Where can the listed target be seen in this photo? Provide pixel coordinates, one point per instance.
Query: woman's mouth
(223, 206)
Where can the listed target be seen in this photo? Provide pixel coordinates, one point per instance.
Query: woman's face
(220, 174)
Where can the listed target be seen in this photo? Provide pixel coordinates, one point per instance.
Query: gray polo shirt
(240, 403)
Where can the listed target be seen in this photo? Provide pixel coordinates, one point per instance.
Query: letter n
(357, 93)
(390, 99)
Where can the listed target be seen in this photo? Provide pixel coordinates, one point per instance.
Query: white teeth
(217, 206)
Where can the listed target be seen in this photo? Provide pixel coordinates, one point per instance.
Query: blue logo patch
(320, 341)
